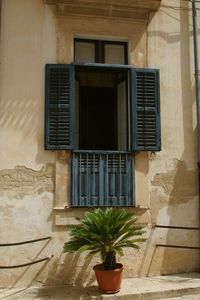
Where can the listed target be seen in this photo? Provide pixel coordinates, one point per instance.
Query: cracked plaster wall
(34, 181)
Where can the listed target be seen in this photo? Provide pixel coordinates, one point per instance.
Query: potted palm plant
(107, 233)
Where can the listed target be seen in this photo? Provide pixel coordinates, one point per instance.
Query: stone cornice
(125, 9)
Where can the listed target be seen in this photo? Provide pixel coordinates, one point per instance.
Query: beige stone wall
(28, 41)
(35, 184)
(173, 172)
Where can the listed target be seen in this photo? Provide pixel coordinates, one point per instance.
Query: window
(103, 112)
(99, 51)
(101, 105)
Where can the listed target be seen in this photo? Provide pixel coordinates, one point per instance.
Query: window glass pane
(114, 54)
(84, 52)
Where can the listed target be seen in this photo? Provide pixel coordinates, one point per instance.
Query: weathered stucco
(174, 198)
(36, 184)
(23, 181)
(180, 184)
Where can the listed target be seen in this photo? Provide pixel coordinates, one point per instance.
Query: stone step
(184, 297)
(146, 288)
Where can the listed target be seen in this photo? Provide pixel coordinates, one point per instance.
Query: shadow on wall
(174, 200)
(175, 206)
(22, 119)
(15, 275)
(70, 272)
(66, 269)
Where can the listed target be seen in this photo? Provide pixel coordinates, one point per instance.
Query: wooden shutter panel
(59, 107)
(145, 110)
(102, 179)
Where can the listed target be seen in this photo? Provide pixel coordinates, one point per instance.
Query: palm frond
(105, 232)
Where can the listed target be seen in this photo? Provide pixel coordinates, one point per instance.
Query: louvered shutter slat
(145, 109)
(102, 179)
(59, 107)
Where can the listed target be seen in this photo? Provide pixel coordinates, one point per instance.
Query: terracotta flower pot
(109, 281)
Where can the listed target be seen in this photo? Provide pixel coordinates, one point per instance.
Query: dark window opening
(97, 127)
(101, 110)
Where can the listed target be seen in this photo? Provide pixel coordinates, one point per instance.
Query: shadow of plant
(72, 270)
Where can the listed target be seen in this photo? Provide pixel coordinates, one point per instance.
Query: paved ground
(159, 287)
(188, 297)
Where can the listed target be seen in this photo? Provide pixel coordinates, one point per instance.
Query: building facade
(97, 108)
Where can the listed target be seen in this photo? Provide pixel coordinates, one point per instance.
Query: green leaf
(119, 251)
(104, 232)
(84, 248)
(92, 253)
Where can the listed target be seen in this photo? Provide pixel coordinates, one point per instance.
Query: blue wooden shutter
(59, 107)
(102, 179)
(145, 110)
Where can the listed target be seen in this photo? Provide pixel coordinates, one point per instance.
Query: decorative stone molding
(132, 9)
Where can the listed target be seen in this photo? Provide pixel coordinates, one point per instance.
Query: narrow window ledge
(142, 207)
(60, 208)
(65, 208)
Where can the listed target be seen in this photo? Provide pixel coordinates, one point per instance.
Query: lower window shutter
(145, 110)
(102, 179)
(59, 106)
